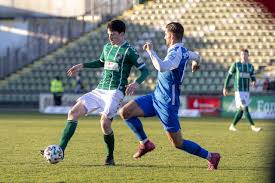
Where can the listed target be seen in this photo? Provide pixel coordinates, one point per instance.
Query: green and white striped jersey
(242, 73)
(118, 61)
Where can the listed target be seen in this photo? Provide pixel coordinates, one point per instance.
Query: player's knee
(124, 113)
(176, 143)
(105, 125)
(73, 114)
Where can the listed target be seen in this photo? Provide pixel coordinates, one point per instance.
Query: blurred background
(41, 40)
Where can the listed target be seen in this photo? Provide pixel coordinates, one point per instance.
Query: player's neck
(122, 41)
(173, 43)
(244, 61)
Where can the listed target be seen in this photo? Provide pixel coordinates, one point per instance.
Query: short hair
(176, 28)
(117, 25)
(245, 50)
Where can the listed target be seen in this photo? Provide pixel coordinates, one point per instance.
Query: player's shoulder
(131, 49)
(179, 47)
(237, 62)
(106, 45)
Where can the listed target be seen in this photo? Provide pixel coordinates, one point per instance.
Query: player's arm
(253, 77)
(93, 64)
(196, 59)
(143, 73)
(170, 62)
(140, 65)
(228, 77)
(78, 67)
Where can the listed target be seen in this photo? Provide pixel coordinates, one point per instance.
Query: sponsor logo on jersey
(244, 75)
(111, 66)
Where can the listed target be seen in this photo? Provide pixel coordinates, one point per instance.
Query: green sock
(238, 117)
(110, 144)
(247, 116)
(67, 133)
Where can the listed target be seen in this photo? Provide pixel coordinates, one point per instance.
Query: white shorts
(104, 101)
(241, 99)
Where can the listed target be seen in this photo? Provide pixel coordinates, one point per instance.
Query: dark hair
(117, 25)
(245, 50)
(176, 28)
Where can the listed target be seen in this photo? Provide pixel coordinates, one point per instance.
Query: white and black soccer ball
(53, 154)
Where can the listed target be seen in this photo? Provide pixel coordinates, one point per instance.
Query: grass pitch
(246, 155)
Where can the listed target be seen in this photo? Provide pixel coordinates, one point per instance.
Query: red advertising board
(207, 105)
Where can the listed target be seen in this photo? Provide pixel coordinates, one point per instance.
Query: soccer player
(117, 58)
(164, 101)
(243, 71)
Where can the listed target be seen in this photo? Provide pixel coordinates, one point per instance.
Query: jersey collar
(120, 44)
(175, 45)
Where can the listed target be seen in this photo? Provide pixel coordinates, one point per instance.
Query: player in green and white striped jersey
(243, 72)
(117, 59)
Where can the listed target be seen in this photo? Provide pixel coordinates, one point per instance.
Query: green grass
(246, 155)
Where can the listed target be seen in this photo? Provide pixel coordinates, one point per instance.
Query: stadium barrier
(68, 100)
(261, 107)
(206, 105)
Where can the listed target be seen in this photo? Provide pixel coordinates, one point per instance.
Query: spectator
(266, 84)
(57, 90)
(79, 85)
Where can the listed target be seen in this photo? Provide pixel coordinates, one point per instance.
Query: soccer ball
(53, 154)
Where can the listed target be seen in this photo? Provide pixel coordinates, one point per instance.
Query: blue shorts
(167, 114)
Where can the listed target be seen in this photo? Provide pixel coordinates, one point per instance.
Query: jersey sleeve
(193, 56)
(96, 63)
(232, 69)
(102, 55)
(252, 74)
(134, 57)
(170, 62)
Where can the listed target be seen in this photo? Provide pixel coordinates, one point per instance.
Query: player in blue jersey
(164, 101)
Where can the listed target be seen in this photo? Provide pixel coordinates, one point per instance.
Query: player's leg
(113, 99)
(171, 124)
(244, 104)
(141, 107)
(169, 118)
(193, 148)
(109, 139)
(130, 113)
(251, 122)
(239, 112)
(74, 114)
(237, 118)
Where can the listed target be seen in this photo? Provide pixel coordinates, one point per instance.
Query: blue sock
(136, 126)
(193, 148)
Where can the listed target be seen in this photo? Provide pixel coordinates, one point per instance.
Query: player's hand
(131, 88)
(148, 46)
(195, 66)
(74, 69)
(253, 84)
(224, 92)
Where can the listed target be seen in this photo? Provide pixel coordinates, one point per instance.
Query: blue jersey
(168, 86)
(164, 102)
(171, 73)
